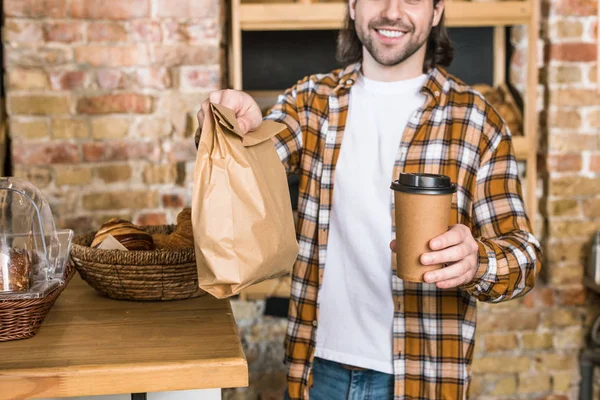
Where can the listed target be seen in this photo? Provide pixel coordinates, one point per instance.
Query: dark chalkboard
(274, 60)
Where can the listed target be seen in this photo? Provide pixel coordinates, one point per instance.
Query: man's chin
(389, 61)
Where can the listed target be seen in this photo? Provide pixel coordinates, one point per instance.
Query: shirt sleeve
(289, 142)
(509, 254)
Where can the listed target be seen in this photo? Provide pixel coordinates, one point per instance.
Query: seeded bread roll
(15, 270)
(128, 234)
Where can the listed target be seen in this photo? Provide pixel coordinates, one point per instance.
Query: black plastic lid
(424, 184)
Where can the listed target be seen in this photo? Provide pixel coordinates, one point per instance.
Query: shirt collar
(434, 85)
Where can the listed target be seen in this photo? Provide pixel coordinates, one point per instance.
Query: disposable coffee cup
(422, 209)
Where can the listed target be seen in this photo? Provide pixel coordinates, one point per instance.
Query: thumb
(249, 123)
(393, 245)
(244, 124)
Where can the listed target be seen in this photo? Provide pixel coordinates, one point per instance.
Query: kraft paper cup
(422, 209)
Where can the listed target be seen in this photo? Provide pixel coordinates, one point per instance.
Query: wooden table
(91, 345)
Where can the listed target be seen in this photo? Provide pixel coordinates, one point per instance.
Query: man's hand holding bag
(241, 210)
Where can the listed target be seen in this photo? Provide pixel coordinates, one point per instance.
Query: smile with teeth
(390, 33)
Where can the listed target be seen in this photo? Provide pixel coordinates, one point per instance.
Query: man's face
(394, 30)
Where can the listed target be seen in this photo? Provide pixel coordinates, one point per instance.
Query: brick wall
(101, 97)
(529, 349)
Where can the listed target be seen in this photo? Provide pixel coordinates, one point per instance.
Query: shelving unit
(307, 15)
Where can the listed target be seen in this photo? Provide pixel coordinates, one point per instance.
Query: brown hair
(439, 48)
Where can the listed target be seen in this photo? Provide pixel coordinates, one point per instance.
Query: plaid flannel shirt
(456, 133)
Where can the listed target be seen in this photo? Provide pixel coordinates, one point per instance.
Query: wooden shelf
(299, 16)
(521, 146)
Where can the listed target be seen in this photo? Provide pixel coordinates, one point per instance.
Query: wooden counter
(91, 345)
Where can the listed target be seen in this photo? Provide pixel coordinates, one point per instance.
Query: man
(355, 329)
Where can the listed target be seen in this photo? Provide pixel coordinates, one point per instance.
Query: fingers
(247, 111)
(393, 245)
(455, 235)
(451, 276)
(202, 113)
(216, 96)
(448, 255)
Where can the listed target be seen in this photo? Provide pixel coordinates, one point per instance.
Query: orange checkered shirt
(456, 133)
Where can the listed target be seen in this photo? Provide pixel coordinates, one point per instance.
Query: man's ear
(352, 9)
(438, 11)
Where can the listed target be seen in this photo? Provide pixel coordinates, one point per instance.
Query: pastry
(171, 242)
(181, 241)
(15, 270)
(128, 234)
(184, 225)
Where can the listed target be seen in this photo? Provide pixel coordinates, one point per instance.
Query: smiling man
(356, 331)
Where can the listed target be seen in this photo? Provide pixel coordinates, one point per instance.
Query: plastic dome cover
(27, 234)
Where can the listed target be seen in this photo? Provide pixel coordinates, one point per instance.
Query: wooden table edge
(92, 380)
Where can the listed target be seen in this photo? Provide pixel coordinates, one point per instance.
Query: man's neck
(410, 68)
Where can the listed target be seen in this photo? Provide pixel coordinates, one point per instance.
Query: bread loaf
(128, 234)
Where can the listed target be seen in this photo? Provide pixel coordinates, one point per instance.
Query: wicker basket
(137, 275)
(21, 319)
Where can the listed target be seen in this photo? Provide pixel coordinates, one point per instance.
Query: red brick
(23, 31)
(63, 32)
(106, 32)
(128, 103)
(182, 150)
(156, 218)
(595, 163)
(111, 79)
(37, 56)
(121, 151)
(576, 7)
(146, 31)
(67, 80)
(158, 78)
(46, 153)
(593, 118)
(573, 51)
(174, 55)
(564, 162)
(35, 8)
(200, 78)
(571, 296)
(172, 200)
(196, 33)
(539, 297)
(112, 56)
(110, 9)
(187, 8)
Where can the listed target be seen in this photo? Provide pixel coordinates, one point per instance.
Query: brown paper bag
(241, 209)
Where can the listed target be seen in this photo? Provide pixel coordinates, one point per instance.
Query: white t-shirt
(356, 309)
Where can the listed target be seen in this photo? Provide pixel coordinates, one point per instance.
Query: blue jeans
(331, 381)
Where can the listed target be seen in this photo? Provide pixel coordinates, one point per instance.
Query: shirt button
(349, 81)
(314, 323)
(437, 94)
